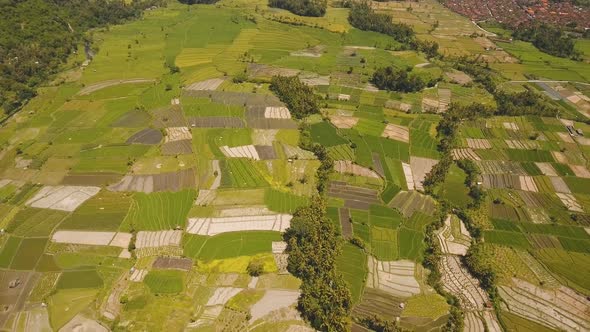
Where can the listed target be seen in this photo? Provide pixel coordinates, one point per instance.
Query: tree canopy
(37, 36)
(299, 97)
(302, 7)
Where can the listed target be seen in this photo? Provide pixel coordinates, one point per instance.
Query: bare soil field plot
(444, 99)
(560, 309)
(313, 52)
(262, 71)
(570, 202)
(559, 157)
(546, 169)
(421, 167)
(397, 105)
(173, 263)
(465, 153)
(354, 197)
(345, 122)
(510, 125)
(222, 294)
(245, 151)
(65, 198)
(348, 167)
(208, 85)
(315, 80)
(138, 275)
(81, 323)
(457, 281)
(173, 181)
(277, 112)
(527, 183)
(105, 84)
(90, 179)
(216, 122)
(521, 144)
(509, 181)
(37, 319)
(146, 136)
(430, 105)
(169, 117)
(206, 197)
(147, 239)
(458, 77)
(479, 143)
(580, 171)
(92, 238)
(344, 216)
(177, 134)
(214, 226)
(264, 136)
(583, 140)
(177, 147)
(559, 185)
(394, 277)
(453, 237)
(273, 300)
(266, 152)
(409, 202)
(396, 132)
(257, 117)
(408, 176)
(565, 137)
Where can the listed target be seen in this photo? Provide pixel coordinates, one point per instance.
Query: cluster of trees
(473, 173)
(313, 246)
(548, 39)
(299, 97)
(37, 37)
(315, 8)
(401, 80)
(195, 2)
(447, 133)
(363, 17)
(523, 103)
(480, 72)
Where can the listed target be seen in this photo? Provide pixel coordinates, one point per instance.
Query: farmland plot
(393, 277)
(457, 280)
(500, 167)
(420, 168)
(580, 171)
(65, 198)
(173, 181)
(559, 185)
(344, 122)
(570, 202)
(479, 143)
(561, 308)
(214, 226)
(396, 132)
(246, 151)
(146, 136)
(409, 202)
(353, 196)
(92, 238)
(348, 167)
(277, 112)
(159, 211)
(208, 85)
(453, 237)
(146, 239)
(465, 153)
(521, 144)
(177, 134)
(547, 169)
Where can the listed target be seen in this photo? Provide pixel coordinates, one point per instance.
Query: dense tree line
(363, 17)
(299, 97)
(523, 103)
(475, 191)
(315, 8)
(548, 39)
(389, 78)
(37, 37)
(313, 246)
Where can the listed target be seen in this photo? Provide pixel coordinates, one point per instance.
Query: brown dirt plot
(146, 136)
(173, 181)
(173, 263)
(354, 197)
(345, 122)
(396, 132)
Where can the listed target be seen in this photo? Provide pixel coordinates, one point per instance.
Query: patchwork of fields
(140, 195)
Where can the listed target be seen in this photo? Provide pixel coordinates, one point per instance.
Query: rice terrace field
(290, 165)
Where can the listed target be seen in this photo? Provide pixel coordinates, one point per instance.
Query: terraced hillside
(159, 185)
